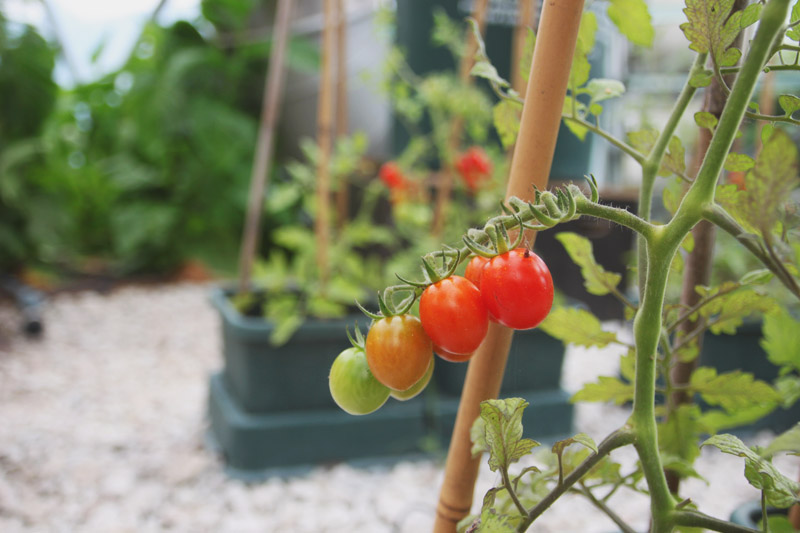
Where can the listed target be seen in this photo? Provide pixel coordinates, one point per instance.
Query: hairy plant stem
(619, 438)
(652, 164)
(700, 520)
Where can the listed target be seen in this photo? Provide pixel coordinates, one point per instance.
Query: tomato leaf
(526, 58)
(732, 390)
(572, 325)
(580, 438)
(781, 339)
(595, 278)
(780, 491)
(579, 73)
(711, 28)
(704, 119)
(506, 116)
(793, 33)
(605, 389)
(715, 420)
(501, 430)
(633, 20)
(604, 89)
(701, 78)
(738, 162)
(789, 103)
(726, 312)
(680, 433)
(788, 441)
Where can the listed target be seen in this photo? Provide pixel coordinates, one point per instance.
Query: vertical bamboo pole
(273, 93)
(342, 194)
(325, 138)
(445, 181)
(533, 157)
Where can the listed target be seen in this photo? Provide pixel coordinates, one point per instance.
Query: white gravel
(102, 426)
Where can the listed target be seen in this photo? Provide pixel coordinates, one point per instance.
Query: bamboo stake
(445, 184)
(324, 138)
(272, 96)
(342, 196)
(530, 166)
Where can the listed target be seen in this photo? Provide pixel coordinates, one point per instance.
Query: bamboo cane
(533, 157)
(324, 138)
(445, 185)
(273, 93)
(342, 196)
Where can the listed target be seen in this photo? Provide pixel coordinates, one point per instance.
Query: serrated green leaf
(633, 20)
(789, 103)
(701, 79)
(729, 310)
(492, 522)
(680, 466)
(579, 72)
(595, 109)
(595, 278)
(627, 365)
(674, 161)
(750, 15)
(781, 339)
(788, 441)
(780, 491)
(580, 438)
(704, 119)
(572, 325)
(732, 390)
(605, 389)
(789, 388)
(506, 115)
(711, 28)
(767, 185)
(680, 433)
(793, 33)
(738, 162)
(503, 432)
(484, 69)
(600, 89)
(672, 195)
(643, 140)
(756, 277)
(716, 420)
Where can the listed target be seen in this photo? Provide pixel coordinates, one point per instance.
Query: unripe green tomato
(352, 385)
(418, 387)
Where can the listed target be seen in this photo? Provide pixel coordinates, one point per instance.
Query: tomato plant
(352, 385)
(454, 315)
(392, 176)
(517, 289)
(398, 351)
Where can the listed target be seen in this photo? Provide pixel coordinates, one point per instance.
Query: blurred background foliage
(144, 168)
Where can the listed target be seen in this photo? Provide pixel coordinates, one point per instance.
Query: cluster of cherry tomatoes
(514, 288)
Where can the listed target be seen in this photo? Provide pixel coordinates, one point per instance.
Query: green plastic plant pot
(534, 363)
(264, 378)
(260, 444)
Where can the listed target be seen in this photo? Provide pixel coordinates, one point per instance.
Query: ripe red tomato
(398, 351)
(352, 385)
(453, 315)
(474, 270)
(517, 289)
(392, 176)
(474, 166)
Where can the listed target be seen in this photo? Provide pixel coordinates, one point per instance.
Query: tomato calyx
(500, 241)
(386, 305)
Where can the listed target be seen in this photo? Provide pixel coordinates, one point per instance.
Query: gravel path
(102, 424)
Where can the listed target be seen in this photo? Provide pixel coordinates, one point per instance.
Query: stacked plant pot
(270, 407)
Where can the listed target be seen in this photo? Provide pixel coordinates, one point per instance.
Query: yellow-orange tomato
(398, 351)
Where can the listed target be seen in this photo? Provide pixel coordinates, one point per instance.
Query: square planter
(256, 445)
(264, 378)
